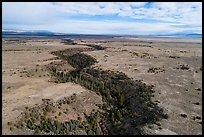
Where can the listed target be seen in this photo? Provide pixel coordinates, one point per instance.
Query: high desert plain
(38, 96)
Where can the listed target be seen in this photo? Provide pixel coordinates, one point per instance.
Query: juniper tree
(119, 115)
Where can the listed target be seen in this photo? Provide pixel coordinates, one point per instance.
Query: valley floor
(174, 68)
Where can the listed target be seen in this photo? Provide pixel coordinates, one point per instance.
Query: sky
(131, 18)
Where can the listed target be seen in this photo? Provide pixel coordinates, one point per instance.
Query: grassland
(101, 87)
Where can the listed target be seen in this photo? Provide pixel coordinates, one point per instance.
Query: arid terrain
(172, 66)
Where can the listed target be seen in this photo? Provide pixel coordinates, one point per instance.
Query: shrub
(122, 95)
(183, 115)
(11, 128)
(80, 60)
(37, 131)
(157, 123)
(79, 118)
(166, 116)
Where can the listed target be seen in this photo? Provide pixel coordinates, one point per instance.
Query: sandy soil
(21, 89)
(176, 89)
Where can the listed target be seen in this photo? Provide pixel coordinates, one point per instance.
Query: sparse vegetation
(196, 103)
(184, 67)
(9, 123)
(142, 55)
(155, 70)
(11, 128)
(198, 89)
(183, 115)
(125, 101)
(183, 51)
(139, 45)
(174, 57)
(69, 41)
(135, 53)
(166, 116)
(97, 47)
(112, 86)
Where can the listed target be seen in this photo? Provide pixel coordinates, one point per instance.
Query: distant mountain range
(45, 33)
(49, 33)
(193, 35)
(26, 32)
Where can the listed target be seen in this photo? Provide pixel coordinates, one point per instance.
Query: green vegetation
(183, 115)
(36, 118)
(9, 123)
(184, 67)
(142, 55)
(155, 70)
(80, 61)
(122, 96)
(11, 128)
(125, 101)
(145, 55)
(139, 45)
(97, 47)
(135, 53)
(174, 57)
(198, 89)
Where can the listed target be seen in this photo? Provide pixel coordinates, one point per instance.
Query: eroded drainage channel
(126, 108)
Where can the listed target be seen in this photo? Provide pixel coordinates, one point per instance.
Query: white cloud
(108, 27)
(27, 13)
(164, 11)
(58, 16)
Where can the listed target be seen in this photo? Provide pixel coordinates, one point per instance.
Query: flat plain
(172, 65)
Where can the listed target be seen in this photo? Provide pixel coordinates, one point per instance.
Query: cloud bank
(137, 18)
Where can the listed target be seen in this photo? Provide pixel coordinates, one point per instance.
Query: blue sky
(136, 18)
